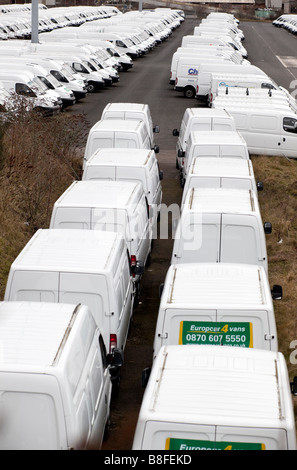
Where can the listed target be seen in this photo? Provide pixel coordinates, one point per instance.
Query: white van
(212, 398)
(266, 131)
(213, 172)
(120, 40)
(131, 112)
(217, 304)
(187, 71)
(206, 70)
(212, 144)
(200, 119)
(221, 225)
(118, 133)
(91, 267)
(201, 51)
(139, 165)
(27, 84)
(55, 376)
(231, 80)
(58, 91)
(116, 206)
(281, 95)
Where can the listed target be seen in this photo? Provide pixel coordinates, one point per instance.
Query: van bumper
(179, 88)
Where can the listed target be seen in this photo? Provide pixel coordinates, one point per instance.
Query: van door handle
(284, 139)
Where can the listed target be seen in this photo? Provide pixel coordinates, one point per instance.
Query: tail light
(176, 80)
(133, 264)
(112, 342)
(197, 89)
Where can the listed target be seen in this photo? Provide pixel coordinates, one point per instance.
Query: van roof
(216, 285)
(205, 112)
(221, 200)
(253, 107)
(217, 138)
(70, 249)
(125, 107)
(212, 166)
(120, 156)
(101, 193)
(218, 386)
(118, 125)
(32, 333)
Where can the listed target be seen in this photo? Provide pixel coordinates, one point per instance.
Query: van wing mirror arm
(294, 386)
(145, 376)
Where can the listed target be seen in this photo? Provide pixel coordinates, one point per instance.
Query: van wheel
(176, 164)
(189, 92)
(90, 87)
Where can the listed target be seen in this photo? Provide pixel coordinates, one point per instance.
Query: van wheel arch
(189, 92)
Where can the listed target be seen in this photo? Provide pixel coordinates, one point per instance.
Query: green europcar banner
(216, 333)
(193, 444)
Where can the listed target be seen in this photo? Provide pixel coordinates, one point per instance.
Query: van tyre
(189, 92)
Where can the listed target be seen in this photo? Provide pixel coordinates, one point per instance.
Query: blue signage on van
(192, 71)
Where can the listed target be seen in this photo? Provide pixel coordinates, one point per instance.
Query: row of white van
(264, 113)
(287, 22)
(214, 41)
(53, 75)
(217, 380)
(71, 293)
(16, 21)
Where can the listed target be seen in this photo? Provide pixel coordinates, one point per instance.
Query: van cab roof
(31, 333)
(125, 107)
(218, 386)
(217, 138)
(101, 193)
(70, 249)
(220, 167)
(120, 156)
(221, 200)
(216, 285)
(118, 125)
(206, 112)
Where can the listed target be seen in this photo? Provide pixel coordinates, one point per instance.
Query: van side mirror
(175, 133)
(145, 376)
(260, 186)
(156, 148)
(115, 358)
(156, 129)
(267, 228)
(294, 386)
(180, 153)
(138, 268)
(161, 175)
(277, 292)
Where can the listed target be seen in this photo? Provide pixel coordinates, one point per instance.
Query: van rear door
(72, 218)
(100, 140)
(248, 329)
(125, 140)
(87, 289)
(187, 326)
(240, 438)
(35, 286)
(198, 240)
(239, 242)
(164, 435)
